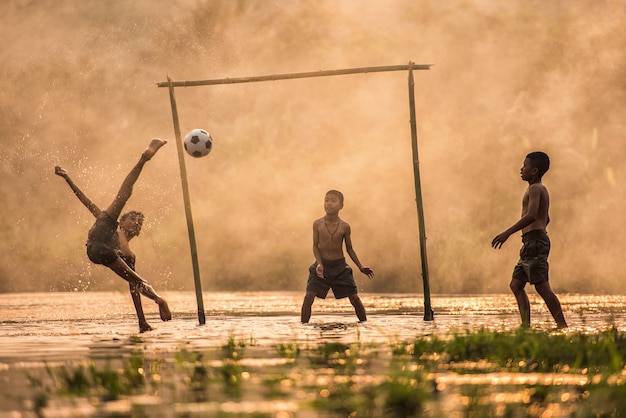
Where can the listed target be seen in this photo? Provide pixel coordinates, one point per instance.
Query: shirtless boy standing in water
(108, 245)
(532, 266)
(330, 270)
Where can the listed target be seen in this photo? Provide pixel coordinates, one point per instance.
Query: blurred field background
(77, 88)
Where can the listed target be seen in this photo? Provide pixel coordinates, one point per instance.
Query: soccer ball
(198, 143)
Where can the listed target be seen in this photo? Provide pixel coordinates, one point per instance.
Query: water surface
(39, 331)
(69, 324)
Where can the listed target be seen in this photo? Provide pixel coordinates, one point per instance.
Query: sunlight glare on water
(47, 319)
(53, 330)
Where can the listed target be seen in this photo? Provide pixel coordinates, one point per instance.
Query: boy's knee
(543, 288)
(517, 285)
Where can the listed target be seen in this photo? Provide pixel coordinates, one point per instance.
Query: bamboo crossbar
(275, 77)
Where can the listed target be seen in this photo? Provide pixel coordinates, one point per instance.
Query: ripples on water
(41, 330)
(271, 317)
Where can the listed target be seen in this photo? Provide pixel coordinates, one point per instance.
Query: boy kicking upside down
(108, 239)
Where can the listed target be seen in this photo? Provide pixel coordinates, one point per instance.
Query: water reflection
(59, 325)
(272, 316)
(253, 355)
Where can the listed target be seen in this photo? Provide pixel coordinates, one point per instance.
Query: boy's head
(540, 161)
(134, 213)
(333, 201)
(336, 193)
(132, 222)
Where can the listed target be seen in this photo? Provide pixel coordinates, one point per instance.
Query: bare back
(329, 236)
(536, 203)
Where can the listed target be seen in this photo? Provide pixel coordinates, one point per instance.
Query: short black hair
(540, 161)
(337, 193)
(135, 213)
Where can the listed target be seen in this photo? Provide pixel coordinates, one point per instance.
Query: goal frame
(410, 67)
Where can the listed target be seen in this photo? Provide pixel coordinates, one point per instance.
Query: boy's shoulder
(318, 222)
(538, 186)
(539, 190)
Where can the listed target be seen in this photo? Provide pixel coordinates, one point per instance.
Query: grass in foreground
(480, 374)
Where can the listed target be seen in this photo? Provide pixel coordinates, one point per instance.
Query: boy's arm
(532, 211)
(348, 240)
(59, 171)
(319, 270)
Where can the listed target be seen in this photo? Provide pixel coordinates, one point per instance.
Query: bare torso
(328, 236)
(127, 255)
(536, 200)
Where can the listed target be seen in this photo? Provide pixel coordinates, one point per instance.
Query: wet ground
(43, 330)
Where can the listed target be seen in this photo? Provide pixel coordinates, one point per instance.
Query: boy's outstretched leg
(517, 287)
(126, 273)
(149, 292)
(359, 309)
(115, 208)
(553, 303)
(307, 303)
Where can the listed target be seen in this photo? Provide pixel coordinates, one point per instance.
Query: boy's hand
(367, 271)
(499, 240)
(319, 270)
(60, 171)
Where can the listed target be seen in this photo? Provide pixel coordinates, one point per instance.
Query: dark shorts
(337, 276)
(532, 266)
(103, 241)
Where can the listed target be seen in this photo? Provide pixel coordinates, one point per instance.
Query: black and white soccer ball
(198, 143)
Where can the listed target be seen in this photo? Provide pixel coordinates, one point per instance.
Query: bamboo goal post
(410, 67)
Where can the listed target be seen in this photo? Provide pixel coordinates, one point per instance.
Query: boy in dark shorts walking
(532, 266)
(330, 270)
(108, 245)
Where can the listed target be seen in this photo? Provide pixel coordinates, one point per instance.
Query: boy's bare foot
(145, 327)
(60, 171)
(164, 310)
(153, 147)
